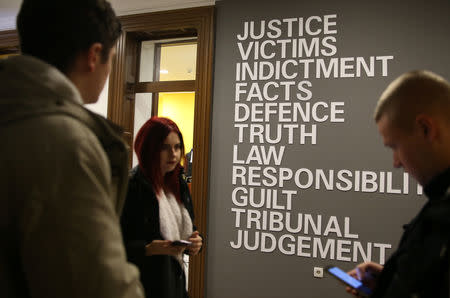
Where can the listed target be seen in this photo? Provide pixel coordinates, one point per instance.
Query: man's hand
(367, 273)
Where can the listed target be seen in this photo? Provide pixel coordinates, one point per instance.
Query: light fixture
(164, 71)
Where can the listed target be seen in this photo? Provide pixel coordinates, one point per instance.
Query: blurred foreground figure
(63, 168)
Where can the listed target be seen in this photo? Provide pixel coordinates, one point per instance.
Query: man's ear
(427, 126)
(94, 56)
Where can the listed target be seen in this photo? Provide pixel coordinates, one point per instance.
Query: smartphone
(181, 243)
(349, 280)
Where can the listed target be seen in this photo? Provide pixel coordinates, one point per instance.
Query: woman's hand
(367, 273)
(163, 247)
(196, 245)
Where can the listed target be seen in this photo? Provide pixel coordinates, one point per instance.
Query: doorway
(140, 86)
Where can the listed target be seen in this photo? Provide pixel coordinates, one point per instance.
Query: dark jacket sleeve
(420, 267)
(132, 223)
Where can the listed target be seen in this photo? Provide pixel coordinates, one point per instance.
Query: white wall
(8, 15)
(101, 106)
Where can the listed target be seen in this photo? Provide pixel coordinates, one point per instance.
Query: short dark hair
(56, 31)
(412, 93)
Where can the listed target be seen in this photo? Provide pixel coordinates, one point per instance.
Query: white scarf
(174, 220)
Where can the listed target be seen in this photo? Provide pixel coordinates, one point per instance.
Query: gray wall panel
(416, 36)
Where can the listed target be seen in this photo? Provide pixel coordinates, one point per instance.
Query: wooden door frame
(120, 105)
(9, 39)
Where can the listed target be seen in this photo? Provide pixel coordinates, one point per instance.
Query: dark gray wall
(416, 35)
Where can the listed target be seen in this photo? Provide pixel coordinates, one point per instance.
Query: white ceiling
(9, 8)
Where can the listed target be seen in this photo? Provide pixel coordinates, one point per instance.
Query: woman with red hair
(158, 211)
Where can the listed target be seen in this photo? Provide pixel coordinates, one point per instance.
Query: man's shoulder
(51, 128)
(438, 213)
(55, 136)
(61, 120)
(54, 150)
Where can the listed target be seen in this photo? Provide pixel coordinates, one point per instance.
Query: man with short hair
(63, 169)
(413, 118)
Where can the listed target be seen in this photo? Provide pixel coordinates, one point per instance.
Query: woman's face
(170, 153)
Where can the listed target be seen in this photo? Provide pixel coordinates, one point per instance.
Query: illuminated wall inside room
(179, 106)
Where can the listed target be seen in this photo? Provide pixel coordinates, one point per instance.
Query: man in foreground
(63, 168)
(413, 118)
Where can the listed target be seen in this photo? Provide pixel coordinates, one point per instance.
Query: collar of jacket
(439, 186)
(137, 174)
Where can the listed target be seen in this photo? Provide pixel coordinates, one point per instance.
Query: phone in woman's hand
(181, 243)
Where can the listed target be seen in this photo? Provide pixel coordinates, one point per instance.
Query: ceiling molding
(154, 6)
(10, 8)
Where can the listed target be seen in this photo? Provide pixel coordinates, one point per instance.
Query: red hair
(148, 145)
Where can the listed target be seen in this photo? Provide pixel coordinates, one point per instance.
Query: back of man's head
(56, 31)
(413, 93)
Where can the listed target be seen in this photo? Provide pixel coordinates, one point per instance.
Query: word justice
(292, 27)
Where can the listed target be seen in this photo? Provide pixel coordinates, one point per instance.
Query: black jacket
(161, 275)
(420, 265)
